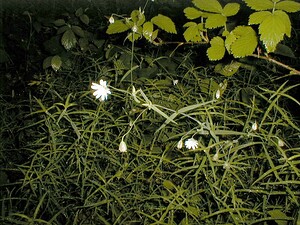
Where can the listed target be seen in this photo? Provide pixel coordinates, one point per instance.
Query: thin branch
(293, 70)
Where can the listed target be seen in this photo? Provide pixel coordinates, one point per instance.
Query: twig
(294, 71)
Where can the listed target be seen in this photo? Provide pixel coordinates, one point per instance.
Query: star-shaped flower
(191, 143)
(101, 90)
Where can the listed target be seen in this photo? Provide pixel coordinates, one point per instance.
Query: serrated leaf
(215, 20)
(259, 5)
(59, 22)
(286, 20)
(230, 38)
(288, 6)
(85, 19)
(208, 5)
(231, 9)
(217, 49)
(258, 17)
(79, 12)
(245, 41)
(165, 23)
(192, 13)
(272, 31)
(192, 34)
(68, 39)
(47, 62)
(117, 27)
(56, 63)
(78, 31)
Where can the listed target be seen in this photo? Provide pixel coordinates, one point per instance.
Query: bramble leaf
(85, 19)
(273, 28)
(165, 23)
(215, 20)
(258, 17)
(56, 63)
(137, 17)
(231, 9)
(78, 31)
(241, 42)
(228, 69)
(259, 5)
(68, 39)
(217, 49)
(192, 13)
(117, 27)
(192, 33)
(209, 6)
(288, 6)
(59, 22)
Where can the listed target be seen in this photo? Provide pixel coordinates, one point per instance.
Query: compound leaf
(217, 49)
(165, 23)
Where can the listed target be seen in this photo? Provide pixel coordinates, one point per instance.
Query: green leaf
(192, 13)
(208, 5)
(217, 49)
(165, 23)
(192, 33)
(59, 22)
(62, 29)
(215, 20)
(286, 20)
(258, 17)
(284, 50)
(78, 31)
(148, 30)
(272, 30)
(47, 62)
(259, 5)
(231, 9)
(83, 44)
(169, 185)
(68, 39)
(227, 70)
(56, 63)
(79, 12)
(241, 41)
(280, 217)
(137, 17)
(288, 6)
(117, 27)
(85, 19)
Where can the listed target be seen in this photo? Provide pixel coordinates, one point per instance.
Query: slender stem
(294, 71)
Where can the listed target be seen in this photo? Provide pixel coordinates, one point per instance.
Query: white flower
(191, 143)
(218, 94)
(123, 146)
(216, 157)
(180, 144)
(254, 126)
(111, 20)
(175, 82)
(101, 90)
(280, 142)
(134, 29)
